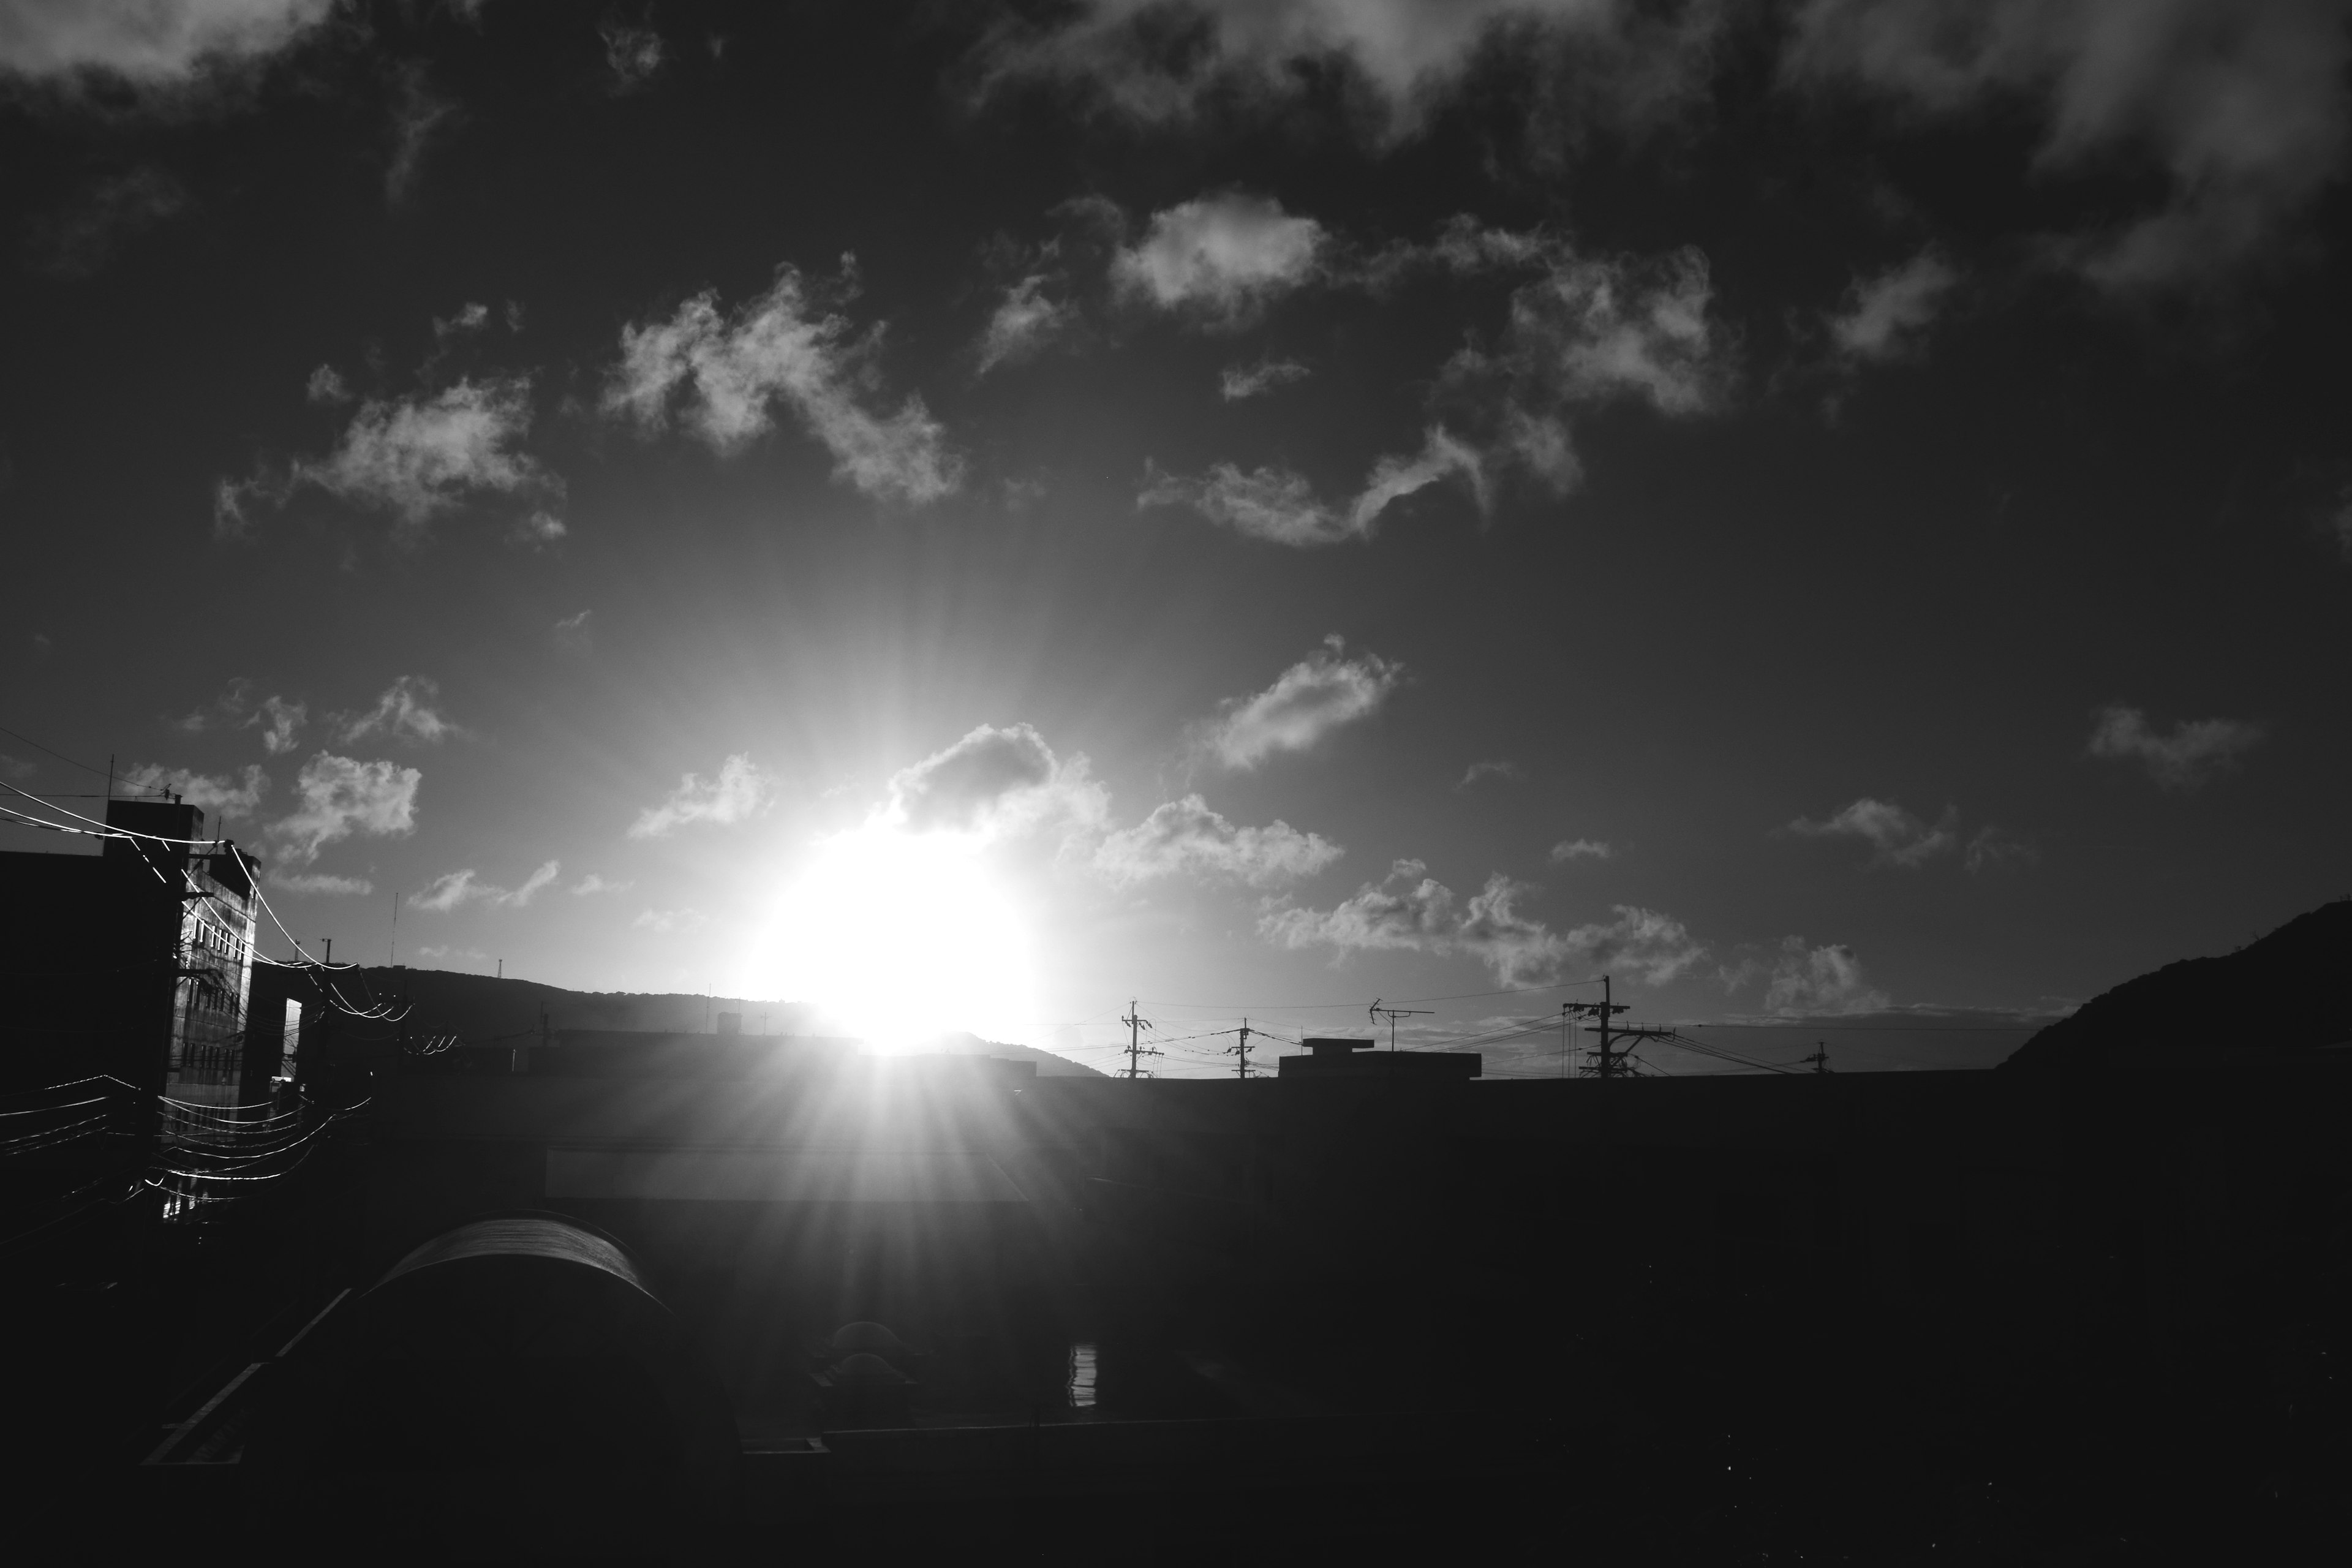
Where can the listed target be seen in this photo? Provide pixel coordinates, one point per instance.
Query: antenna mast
(1376, 1012)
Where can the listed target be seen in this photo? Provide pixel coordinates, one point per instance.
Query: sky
(1835, 513)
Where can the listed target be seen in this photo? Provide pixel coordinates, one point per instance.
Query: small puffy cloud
(1236, 381)
(1279, 506)
(320, 884)
(594, 883)
(225, 794)
(146, 44)
(342, 797)
(538, 531)
(1885, 318)
(719, 374)
(327, 386)
(455, 888)
(996, 781)
(1185, 838)
(415, 458)
(1023, 322)
(1411, 910)
(2239, 103)
(1497, 769)
(1992, 848)
(634, 55)
(1573, 849)
(2186, 759)
(741, 790)
(405, 712)
(671, 922)
(280, 720)
(1219, 258)
(1808, 982)
(1895, 837)
(1307, 702)
(470, 318)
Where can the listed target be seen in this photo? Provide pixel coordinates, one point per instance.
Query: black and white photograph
(1177, 781)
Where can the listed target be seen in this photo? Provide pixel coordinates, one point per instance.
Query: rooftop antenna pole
(1820, 1056)
(1136, 1049)
(1377, 1013)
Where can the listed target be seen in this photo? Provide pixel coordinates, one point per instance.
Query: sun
(898, 937)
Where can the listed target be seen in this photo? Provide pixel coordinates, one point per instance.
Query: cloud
(741, 789)
(341, 797)
(280, 720)
(1023, 323)
(2240, 103)
(719, 374)
(996, 781)
(1895, 837)
(327, 386)
(16, 767)
(1279, 506)
(454, 889)
(2186, 760)
(1411, 911)
(415, 458)
(575, 633)
(225, 795)
(593, 883)
(671, 922)
(470, 318)
(78, 240)
(1185, 838)
(1307, 702)
(1993, 848)
(1806, 981)
(1236, 381)
(146, 44)
(634, 54)
(1158, 62)
(1590, 331)
(320, 884)
(1883, 318)
(419, 114)
(1220, 258)
(277, 718)
(1491, 770)
(406, 711)
(1570, 849)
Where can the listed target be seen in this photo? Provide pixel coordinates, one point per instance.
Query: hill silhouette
(2289, 991)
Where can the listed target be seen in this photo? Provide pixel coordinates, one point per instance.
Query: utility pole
(1239, 1050)
(1136, 1049)
(1376, 1013)
(1820, 1056)
(1610, 1062)
(1563, 1039)
(329, 944)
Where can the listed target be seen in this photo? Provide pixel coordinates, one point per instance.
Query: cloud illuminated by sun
(899, 936)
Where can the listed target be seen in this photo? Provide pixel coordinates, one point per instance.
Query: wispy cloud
(1024, 321)
(1219, 260)
(406, 711)
(2188, 758)
(278, 720)
(455, 888)
(147, 45)
(1184, 837)
(1307, 702)
(418, 115)
(319, 884)
(1573, 849)
(594, 883)
(1804, 981)
(225, 794)
(78, 240)
(575, 633)
(1411, 910)
(1886, 317)
(671, 922)
(1895, 837)
(741, 790)
(342, 797)
(2240, 107)
(1496, 768)
(1236, 381)
(417, 459)
(719, 374)
(1279, 506)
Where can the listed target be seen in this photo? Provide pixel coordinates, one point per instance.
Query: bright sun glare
(898, 937)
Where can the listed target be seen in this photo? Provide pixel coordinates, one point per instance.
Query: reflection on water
(1082, 1375)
